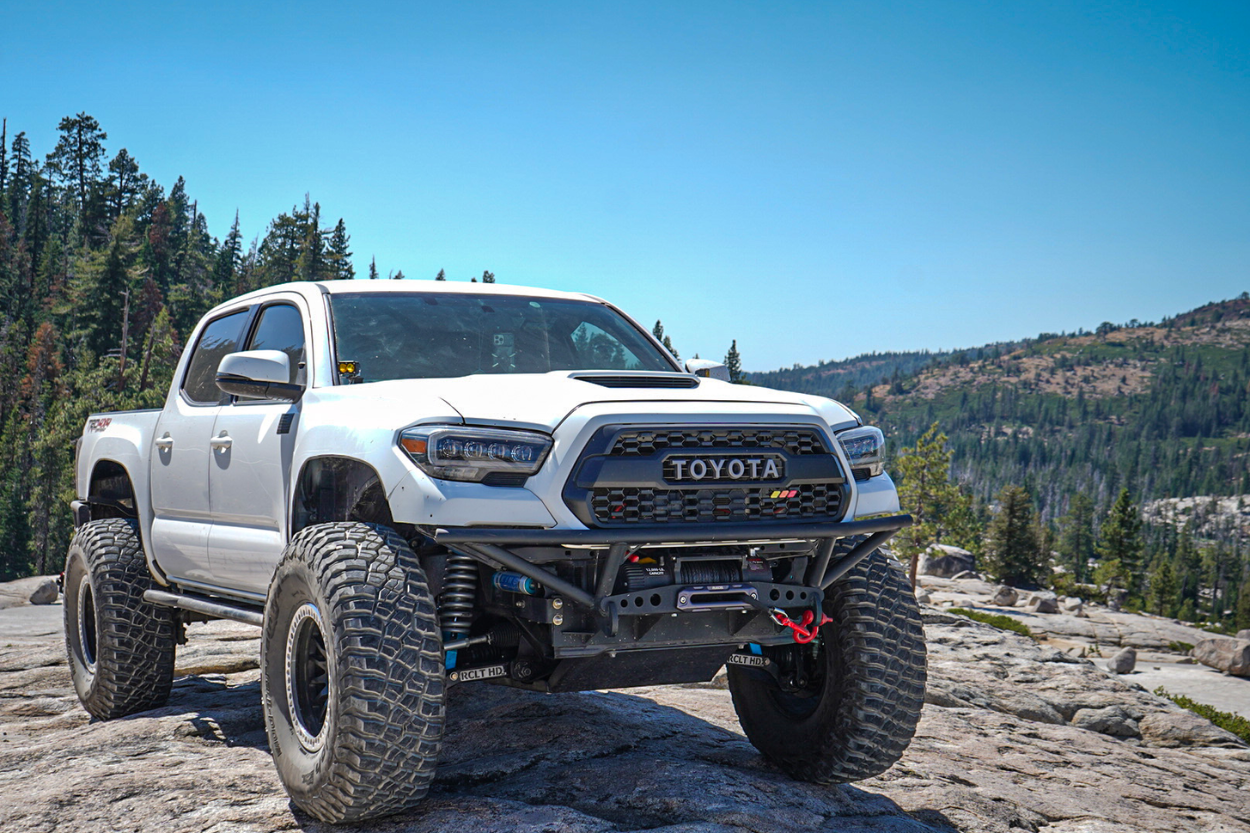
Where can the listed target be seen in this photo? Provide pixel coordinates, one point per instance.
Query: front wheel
(352, 673)
(845, 707)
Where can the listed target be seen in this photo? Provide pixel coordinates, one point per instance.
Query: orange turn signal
(413, 446)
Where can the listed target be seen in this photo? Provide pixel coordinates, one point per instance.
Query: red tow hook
(804, 630)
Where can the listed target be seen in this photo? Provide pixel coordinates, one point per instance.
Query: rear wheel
(846, 706)
(121, 648)
(352, 673)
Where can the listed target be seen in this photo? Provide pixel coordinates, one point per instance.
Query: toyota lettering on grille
(724, 468)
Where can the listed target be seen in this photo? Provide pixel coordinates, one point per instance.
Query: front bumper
(492, 545)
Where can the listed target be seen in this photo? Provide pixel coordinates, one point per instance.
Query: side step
(220, 610)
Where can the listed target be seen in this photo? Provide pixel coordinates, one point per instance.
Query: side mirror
(258, 374)
(708, 369)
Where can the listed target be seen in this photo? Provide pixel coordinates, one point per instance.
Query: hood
(541, 401)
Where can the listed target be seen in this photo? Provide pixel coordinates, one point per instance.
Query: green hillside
(1159, 408)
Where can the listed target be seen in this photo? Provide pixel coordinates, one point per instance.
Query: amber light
(347, 368)
(413, 445)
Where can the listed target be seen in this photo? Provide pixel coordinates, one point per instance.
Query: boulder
(923, 596)
(946, 561)
(1174, 729)
(45, 594)
(1005, 596)
(1044, 604)
(1244, 634)
(1123, 662)
(1116, 721)
(1232, 656)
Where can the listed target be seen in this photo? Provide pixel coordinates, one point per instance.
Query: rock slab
(1001, 755)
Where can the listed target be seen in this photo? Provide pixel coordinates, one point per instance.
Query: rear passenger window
(219, 338)
(282, 328)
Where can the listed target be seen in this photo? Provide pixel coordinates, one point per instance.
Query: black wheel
(352, 673)
(121, 648)
(846, 706)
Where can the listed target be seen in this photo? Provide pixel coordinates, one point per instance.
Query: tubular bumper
(491, 545)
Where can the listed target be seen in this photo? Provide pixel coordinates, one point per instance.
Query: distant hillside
(1161, 408)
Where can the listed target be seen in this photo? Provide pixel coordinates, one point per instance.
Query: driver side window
(281, 327)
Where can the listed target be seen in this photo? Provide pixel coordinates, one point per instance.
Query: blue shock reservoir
(515, 583)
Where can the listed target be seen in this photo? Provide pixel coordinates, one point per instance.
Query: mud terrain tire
(121, 648)
(352, 673)
(857, 716)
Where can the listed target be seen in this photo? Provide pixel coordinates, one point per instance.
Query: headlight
(476, 455)
(865, 451)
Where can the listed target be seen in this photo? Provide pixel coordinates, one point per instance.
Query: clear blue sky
(814, 179)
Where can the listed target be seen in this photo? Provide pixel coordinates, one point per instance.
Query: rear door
(250, 475)
(181, 505)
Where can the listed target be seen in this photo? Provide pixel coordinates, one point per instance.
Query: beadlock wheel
(352, 673)
(120, 647)
(88, 645)
(846, 707)
(307, 676)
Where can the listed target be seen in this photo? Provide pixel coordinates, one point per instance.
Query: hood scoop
(638, 379)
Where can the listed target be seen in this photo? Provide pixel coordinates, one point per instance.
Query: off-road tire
(121, 648)
(373, 750)
(860, 719)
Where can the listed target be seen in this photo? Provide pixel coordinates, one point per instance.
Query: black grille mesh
(647, 442)
(631, 504)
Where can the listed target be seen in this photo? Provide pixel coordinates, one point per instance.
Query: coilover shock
(456, 603)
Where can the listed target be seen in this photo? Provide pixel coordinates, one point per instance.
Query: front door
(250, 474)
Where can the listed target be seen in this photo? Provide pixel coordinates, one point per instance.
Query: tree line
(1111, 556)
(103, 274)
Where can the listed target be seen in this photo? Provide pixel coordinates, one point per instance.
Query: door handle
(164, 443)
(220, 442)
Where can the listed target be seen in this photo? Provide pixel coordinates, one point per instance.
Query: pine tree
(1076, 536)
(1120, 540)
(1012, 552)
(373, 269)
(733, 362)
(488, 276)
(229, 259)
(76, 159)
(441, 276)
(124, 185)
(1163, 589)
(938, 508)
(340, 257)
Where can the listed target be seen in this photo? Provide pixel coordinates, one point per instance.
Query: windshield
(425, 335)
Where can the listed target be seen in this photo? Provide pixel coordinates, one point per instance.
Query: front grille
(797, 441)
(630, 504)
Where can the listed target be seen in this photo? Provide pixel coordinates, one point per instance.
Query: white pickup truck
(410, 485)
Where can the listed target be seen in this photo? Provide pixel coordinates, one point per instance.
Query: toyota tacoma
(412, 485)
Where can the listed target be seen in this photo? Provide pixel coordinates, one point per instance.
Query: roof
(458, 287)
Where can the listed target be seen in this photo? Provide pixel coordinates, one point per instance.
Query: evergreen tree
(1076, 537)
(229, 260)
(1012, 552)
(1120, 540)
(76, 160)
(441, 276)
(1163, 588)
(733, 362)
(926, 492)
(373, 269)
(340, 257)
(125, 184)
(488, 276)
